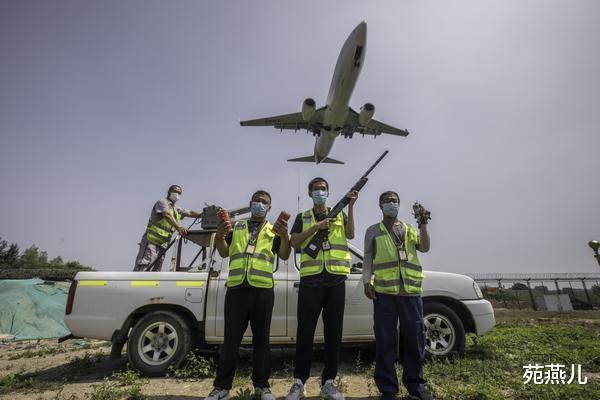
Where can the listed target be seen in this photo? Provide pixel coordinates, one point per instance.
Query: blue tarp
(33, 308)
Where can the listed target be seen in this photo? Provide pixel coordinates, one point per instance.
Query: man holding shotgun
(322, 287)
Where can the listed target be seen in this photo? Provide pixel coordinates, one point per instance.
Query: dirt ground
(68, 371)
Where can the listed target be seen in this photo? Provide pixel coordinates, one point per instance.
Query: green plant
(126, 378)
(195, 367)
(243, 394)
(13, 382)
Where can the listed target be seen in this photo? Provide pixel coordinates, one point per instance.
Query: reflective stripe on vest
(257, 267)
(389, 271)
(159, 233)
(336, 260)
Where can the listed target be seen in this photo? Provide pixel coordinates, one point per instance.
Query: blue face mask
(390, 209)
(319, 196)
(258, 209)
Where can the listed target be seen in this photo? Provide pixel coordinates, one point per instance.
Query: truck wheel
(158, 340)
(444, 331)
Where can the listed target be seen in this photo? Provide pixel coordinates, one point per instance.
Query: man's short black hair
(382, 195)
(262, 192)
(173, 187)
(315, 180)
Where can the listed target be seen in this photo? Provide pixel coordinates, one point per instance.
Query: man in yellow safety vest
(164, 220)
(391, 257)
(251, 247)
(322, 287)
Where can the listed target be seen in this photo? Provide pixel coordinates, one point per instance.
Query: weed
(341, 383)
(126, 378)
(196, 366)
(107, 390)
(243, 394)
(88, 360)
(13, 382)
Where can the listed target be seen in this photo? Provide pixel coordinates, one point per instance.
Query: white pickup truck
(164, 315)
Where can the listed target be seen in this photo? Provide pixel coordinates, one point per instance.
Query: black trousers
(311, 301)
(245, 305)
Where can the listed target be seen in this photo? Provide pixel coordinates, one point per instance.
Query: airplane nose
(360, 32)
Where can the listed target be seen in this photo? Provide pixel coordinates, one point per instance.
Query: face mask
(390, 209)
(319, 196)
(174, 197)
(258, 209)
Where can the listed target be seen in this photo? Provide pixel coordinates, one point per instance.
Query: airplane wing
(288, 121)
(374, 127)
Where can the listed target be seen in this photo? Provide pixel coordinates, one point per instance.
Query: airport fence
(521, 290)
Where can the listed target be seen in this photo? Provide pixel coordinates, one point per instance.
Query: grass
(493, 365)
(195, 367)
(492, 368)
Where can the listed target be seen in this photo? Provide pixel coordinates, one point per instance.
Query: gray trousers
(147, 254)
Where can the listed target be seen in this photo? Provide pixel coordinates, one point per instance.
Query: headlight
(477, 290)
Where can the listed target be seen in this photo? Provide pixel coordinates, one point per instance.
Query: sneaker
(218, 394)
(296, 391)
(330, 392)
(421, 395)
(263, 394)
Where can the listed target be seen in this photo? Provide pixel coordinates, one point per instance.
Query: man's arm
(367, 267)
(424, 242)
(297, 238)
(171, 220)
(284, 244)
(221, 240)
(353, 195)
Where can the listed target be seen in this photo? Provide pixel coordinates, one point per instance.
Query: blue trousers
(408, 310)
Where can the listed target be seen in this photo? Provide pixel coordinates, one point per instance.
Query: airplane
(336, 117)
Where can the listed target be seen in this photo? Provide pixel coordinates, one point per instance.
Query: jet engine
(366, 113)
(308, 109)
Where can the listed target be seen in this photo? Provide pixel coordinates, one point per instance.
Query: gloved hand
(421, 214)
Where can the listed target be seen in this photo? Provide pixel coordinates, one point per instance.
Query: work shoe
(421, 395)
(330, 392)
(296, 391)
(218, 394)
(263, 394)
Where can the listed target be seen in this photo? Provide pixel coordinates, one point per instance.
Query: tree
(30, 258)
(56, 262)
(11, 258)
(519, 286)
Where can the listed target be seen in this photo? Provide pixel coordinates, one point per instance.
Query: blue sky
(103, 105)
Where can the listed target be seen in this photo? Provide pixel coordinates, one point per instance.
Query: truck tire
(444, 331)
(158, 340)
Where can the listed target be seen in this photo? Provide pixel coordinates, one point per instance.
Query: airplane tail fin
(327, 160)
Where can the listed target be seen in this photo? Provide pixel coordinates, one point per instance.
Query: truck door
(358, 312)
(279, 318)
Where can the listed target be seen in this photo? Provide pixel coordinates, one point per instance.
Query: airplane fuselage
(345, 75)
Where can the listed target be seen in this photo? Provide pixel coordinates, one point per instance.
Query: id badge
(326, 245)
(250, 249)
(402, 255)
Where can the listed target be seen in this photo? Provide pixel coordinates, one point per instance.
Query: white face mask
(174, 197)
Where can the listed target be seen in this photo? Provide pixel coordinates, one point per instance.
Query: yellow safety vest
(257, 267)
(159, 232)
(389, 270)
(337, 259)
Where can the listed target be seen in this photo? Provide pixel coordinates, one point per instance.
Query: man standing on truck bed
(251, 247)
(391, 255)
(164, 220)
(322, 287)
